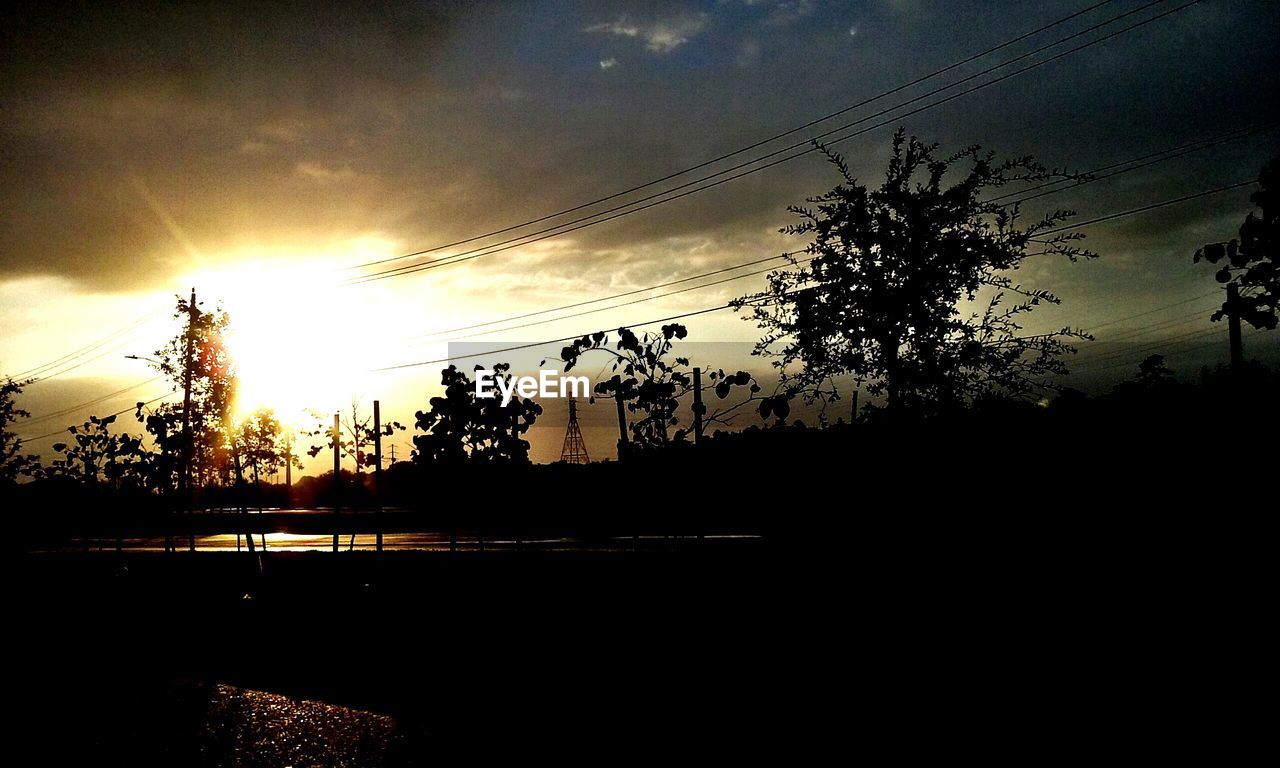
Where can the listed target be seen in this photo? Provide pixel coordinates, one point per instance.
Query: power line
(1173, 322)
(747, 148)
(1153, 311)
(75, 354)
(1152, 207)
(613, 296)
(617, 211)
(564, 339)
(569, 226)
(126, 342)
(1118, 346)
(117, 413)
(1161, 156)
(1169, 353)
(513, 348)
(1191, 335)
(86, 404)
(629, 303)
(1137, 330)
(1130, 212)
(751, 263)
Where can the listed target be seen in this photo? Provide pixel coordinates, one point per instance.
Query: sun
(299, 342)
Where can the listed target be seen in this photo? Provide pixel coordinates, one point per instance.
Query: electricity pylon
(574, 450)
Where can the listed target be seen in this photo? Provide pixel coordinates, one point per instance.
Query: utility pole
(377, 465)
(185, 478)
(337, 477)
(1233, 321)
(698, 408)
(288, 462)
(622, 426)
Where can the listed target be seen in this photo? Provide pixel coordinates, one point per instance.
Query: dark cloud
(128, 129)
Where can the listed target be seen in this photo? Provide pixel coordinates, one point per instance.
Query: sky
(258, 152)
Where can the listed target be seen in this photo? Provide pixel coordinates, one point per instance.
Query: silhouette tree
(1152, 372)
(162, 463)
(96, 454)
(909, 286)
(1152, 395)
(651, 382)
(213, 383)
(1152, 383)
(461, 428)
(261, 445)
(13, 463)
(1250, 260)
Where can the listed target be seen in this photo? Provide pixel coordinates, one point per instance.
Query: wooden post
(622, 426)
(697, 406)
(518, 522)
(184, 479)
(1233, 320)
(242, 510)
(337, 477)
(377, 466)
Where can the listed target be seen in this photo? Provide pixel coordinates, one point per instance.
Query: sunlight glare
(299, 342)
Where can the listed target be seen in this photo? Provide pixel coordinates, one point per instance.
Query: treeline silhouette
(958, 399)
(783, 481)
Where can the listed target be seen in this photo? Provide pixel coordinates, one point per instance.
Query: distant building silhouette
(574, 450)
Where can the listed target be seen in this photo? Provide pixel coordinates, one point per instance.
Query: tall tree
(1251, 266)
(909, 286)
(213, 385)
(261, 444)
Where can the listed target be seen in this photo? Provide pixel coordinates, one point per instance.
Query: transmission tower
(574, 450)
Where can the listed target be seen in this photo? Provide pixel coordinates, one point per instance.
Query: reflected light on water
(425, 542)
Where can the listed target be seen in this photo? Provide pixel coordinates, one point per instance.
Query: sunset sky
(259, 153)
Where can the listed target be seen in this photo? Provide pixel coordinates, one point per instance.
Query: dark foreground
(1100, 593)
(989, 637)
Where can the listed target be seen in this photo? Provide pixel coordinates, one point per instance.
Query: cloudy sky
(254, 152)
